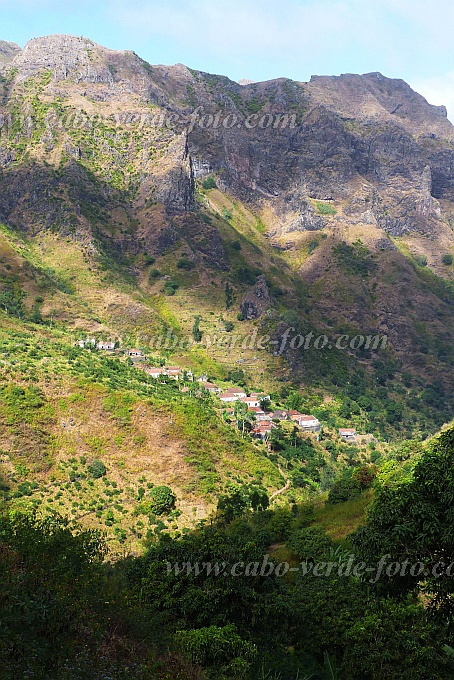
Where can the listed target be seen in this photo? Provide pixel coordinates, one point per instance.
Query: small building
(348, 434)
(156, 372)
(210, 387)
(262, 430)
(135, 353)
(251, 401)
(309, 423)
(260, 396)
(279, 415)
(108, 346)
(88, 342)
(174, 372)
(232, 394)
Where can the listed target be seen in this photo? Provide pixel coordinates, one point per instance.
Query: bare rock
(257, 301)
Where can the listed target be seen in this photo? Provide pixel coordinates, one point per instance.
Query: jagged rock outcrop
(257, 301)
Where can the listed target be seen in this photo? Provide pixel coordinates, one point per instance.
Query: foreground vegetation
(66, 613)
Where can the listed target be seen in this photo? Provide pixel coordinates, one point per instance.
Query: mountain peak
(375, 97)
(8, 51)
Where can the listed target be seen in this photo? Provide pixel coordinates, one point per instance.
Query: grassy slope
(62, 408)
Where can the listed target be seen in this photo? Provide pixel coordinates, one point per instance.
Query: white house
(210, 387)
(310, 423)
(156, 372)
(348, 434)
(88, 342)
(135, 353)
(260, 396)
(232, 394)
(109, 346)
(251, 401)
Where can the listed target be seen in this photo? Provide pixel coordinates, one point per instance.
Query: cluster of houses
(263, 421)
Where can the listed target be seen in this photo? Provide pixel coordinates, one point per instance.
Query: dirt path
(284, 488)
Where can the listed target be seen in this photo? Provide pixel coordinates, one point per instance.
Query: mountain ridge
(340, 190)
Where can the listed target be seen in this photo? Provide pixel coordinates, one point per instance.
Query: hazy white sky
(262, 39)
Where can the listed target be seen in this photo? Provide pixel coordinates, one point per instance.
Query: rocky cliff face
(355, 139)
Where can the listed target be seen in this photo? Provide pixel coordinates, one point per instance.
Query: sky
(262, 39)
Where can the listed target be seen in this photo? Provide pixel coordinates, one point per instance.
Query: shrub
(236, 245)
(186, 264)
(209, 183)
(421, 260)
(312, 246)
(162, 500)
(154, 273)
(447, 259)
(344, 490)
(229, 326)
(170, 287)
(310, 542)
(97, 469)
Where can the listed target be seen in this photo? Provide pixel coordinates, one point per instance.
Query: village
(236, 404)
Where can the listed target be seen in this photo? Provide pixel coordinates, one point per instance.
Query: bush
(97, 469)
(170, 287)
(421, 260)
(186, 264)
(209, 183)
(447, 259)
(162, 500)
(344, 490)
(236, 245)
(312, 246)
(154, 273)
(310, 542)
(229, 326)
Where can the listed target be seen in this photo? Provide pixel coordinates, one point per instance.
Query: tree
(242, 415)
(365, 474)
(97, 469)
(397, 641)
(344, 490)
(294, 401)
(413, 524)
(11, 301)
(310, 542)
(221, 648)
(196, 332)
(228, 296)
